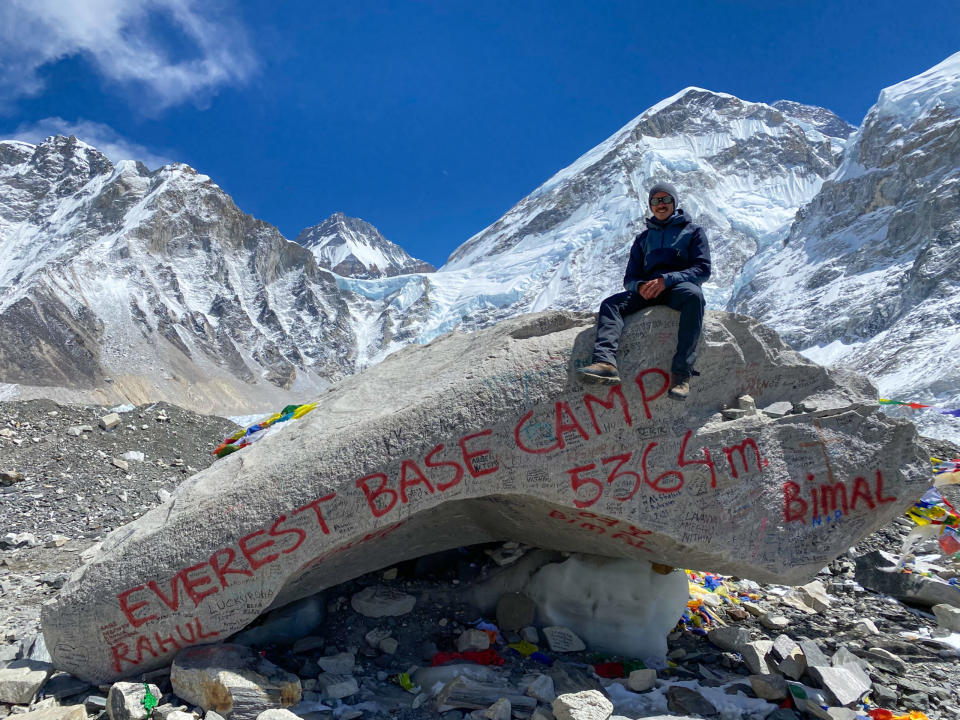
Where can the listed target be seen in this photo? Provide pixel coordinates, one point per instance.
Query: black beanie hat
(664, 187)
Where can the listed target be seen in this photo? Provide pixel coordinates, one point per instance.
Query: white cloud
(120, 39)
(103, 137)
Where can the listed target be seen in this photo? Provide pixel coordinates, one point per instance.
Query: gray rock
(843, 683)
(844, 657)
(9, 477)
(530, 634)
(729, 637)
(842, 713)
(561, 639)
(755, 655)
(500, 710)
(20, 680)
(569, 678)
(685, 700)
(64, 685)
(274, 714)
(877, 570)
(336, 686)
(586, 705)
(360, 519)
(769, 686)
(883, 695)
(464, 692)
(473, 639)
(796, 600)
(543, 689)
(774, 621)
(784, 646)
(778, 409)
(95, 704)
(57, 712)
(232, 680)
(812, 653)
(169, 711)
(9, 652)
(948, 616)
(341, 663)
(747, 404)
(642, 680)
(19, 540)
(515, 611)
(883, 658)
(109, 421)
(815, 595)
(793, 667)
(865, 627)
(125, 701)
(382, 601)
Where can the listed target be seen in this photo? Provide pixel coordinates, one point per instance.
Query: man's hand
(652, 288)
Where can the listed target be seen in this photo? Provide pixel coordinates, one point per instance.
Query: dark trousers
(686, 297)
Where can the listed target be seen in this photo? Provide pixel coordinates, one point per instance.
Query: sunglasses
(666, 200)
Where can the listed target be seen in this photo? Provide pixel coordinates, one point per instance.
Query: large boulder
(489, 436)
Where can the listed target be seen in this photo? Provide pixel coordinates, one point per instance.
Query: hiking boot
(679, 387)
(599, 372)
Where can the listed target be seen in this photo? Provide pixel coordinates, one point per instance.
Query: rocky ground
(65, 482)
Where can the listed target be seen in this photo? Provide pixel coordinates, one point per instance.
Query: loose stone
(586, 705)
(561, 639)
(381, 601)
(125, 701)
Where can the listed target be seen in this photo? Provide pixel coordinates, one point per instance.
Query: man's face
(661, 210)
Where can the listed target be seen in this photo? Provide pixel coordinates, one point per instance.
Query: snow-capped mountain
(159, 283)
(867, 277)
(352, 247)
(126, 284)
(117, 283)
(742, 169)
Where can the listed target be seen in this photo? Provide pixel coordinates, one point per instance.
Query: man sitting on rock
(669, 261)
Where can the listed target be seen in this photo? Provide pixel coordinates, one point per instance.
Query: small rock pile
(404, 643)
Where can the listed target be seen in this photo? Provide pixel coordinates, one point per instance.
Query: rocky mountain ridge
(121, 284)
(352, 247)
(280, 328)
(742, 170)
(117, 283)
(867, 275)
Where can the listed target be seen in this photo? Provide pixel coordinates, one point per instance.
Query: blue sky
(428, 119)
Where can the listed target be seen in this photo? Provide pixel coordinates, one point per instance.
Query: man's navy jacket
(675, 249)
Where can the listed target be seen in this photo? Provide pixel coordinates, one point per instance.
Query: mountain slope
(159, 283)
(867, 276)
(354, 248)
(118, 283)
(742, 170)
